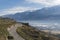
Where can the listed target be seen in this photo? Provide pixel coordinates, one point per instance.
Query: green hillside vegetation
(4, 24)
(30, 33)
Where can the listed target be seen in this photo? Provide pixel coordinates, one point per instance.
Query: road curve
(13, 32)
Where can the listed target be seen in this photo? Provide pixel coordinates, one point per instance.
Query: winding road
(13, 32)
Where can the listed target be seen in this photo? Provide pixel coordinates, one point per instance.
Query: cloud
(15, 10)
(45, 2)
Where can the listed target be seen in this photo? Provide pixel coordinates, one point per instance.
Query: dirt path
(13, 32)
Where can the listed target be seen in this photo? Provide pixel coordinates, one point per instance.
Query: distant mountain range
(47, 13)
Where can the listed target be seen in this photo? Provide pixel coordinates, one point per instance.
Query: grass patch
(4, 24)
(30, 33)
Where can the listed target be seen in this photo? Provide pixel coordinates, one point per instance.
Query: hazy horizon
(14, 6)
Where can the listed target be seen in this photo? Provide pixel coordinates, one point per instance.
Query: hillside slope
(4, 24)
(30, 33)
(48, 13)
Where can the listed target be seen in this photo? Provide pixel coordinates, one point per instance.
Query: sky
(14, 6)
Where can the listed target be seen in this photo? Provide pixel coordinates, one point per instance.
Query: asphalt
(12, 32)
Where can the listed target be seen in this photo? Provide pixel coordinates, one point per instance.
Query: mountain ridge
(49, 13)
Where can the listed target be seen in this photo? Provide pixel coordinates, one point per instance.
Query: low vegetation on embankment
(4, 24)
(30, 33)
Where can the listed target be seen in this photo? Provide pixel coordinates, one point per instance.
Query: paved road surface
(13, 32)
